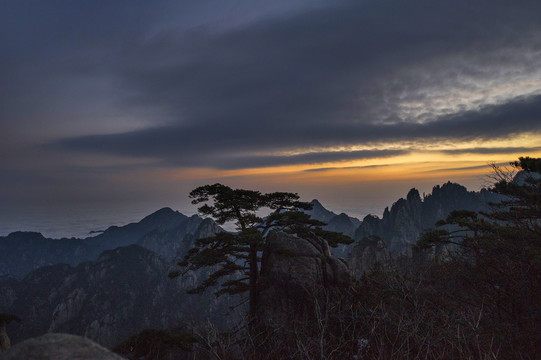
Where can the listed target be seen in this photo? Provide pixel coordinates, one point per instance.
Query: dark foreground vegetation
(471, 290)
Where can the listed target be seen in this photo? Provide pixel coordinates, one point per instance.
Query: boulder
(295, 273)
(58, 347)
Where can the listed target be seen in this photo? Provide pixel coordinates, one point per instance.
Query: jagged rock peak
(371, 218)
(413, 195)
(318, 212)
(403, 223)
(206, 228)
(342, 216)
(522, 176)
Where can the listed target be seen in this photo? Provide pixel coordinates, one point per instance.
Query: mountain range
(403, 224)
(115, 284)
(22, 252)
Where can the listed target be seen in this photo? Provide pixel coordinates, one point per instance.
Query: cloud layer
(343, 75)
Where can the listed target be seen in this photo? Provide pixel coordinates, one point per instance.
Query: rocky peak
(175, 242)
(318, 212)
(402, 224)
(413, 196)
(522, 177)
(162, 215)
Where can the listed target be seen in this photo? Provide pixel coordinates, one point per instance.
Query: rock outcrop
(294, 272)
(58, 347)
(367, 254)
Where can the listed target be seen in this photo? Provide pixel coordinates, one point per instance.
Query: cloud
(307, 158)
(219, 146)
(345, 168)
(345, 74)
(487, 166)
(493, 150)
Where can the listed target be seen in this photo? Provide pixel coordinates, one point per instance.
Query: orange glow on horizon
(434, 162)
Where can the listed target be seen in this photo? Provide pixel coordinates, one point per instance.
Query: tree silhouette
(239, 253)
(500, 255)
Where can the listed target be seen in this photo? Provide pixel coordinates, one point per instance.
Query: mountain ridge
(22, 252)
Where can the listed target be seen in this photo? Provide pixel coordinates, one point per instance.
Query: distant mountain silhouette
(320, 213)
(402, 225)
(22, 252)
(341, 223)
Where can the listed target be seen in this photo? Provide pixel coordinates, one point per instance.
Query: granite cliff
(124, 291)
(402, 225)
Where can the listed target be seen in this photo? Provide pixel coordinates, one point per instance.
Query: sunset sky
(113, 109)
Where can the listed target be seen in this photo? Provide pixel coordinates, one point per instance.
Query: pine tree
(237, 255)
(499, 255)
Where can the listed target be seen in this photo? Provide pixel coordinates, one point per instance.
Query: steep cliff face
(402, 225)
(124, 291)
(293, 272)
(367, 254)
(175, 242)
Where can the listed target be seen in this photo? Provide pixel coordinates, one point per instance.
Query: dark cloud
(320, 78)
(493, 150)
(307, 158)
(219, 146)
(487, 166)
(344, 168)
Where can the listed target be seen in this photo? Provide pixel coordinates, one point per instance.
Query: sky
(110, 110)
